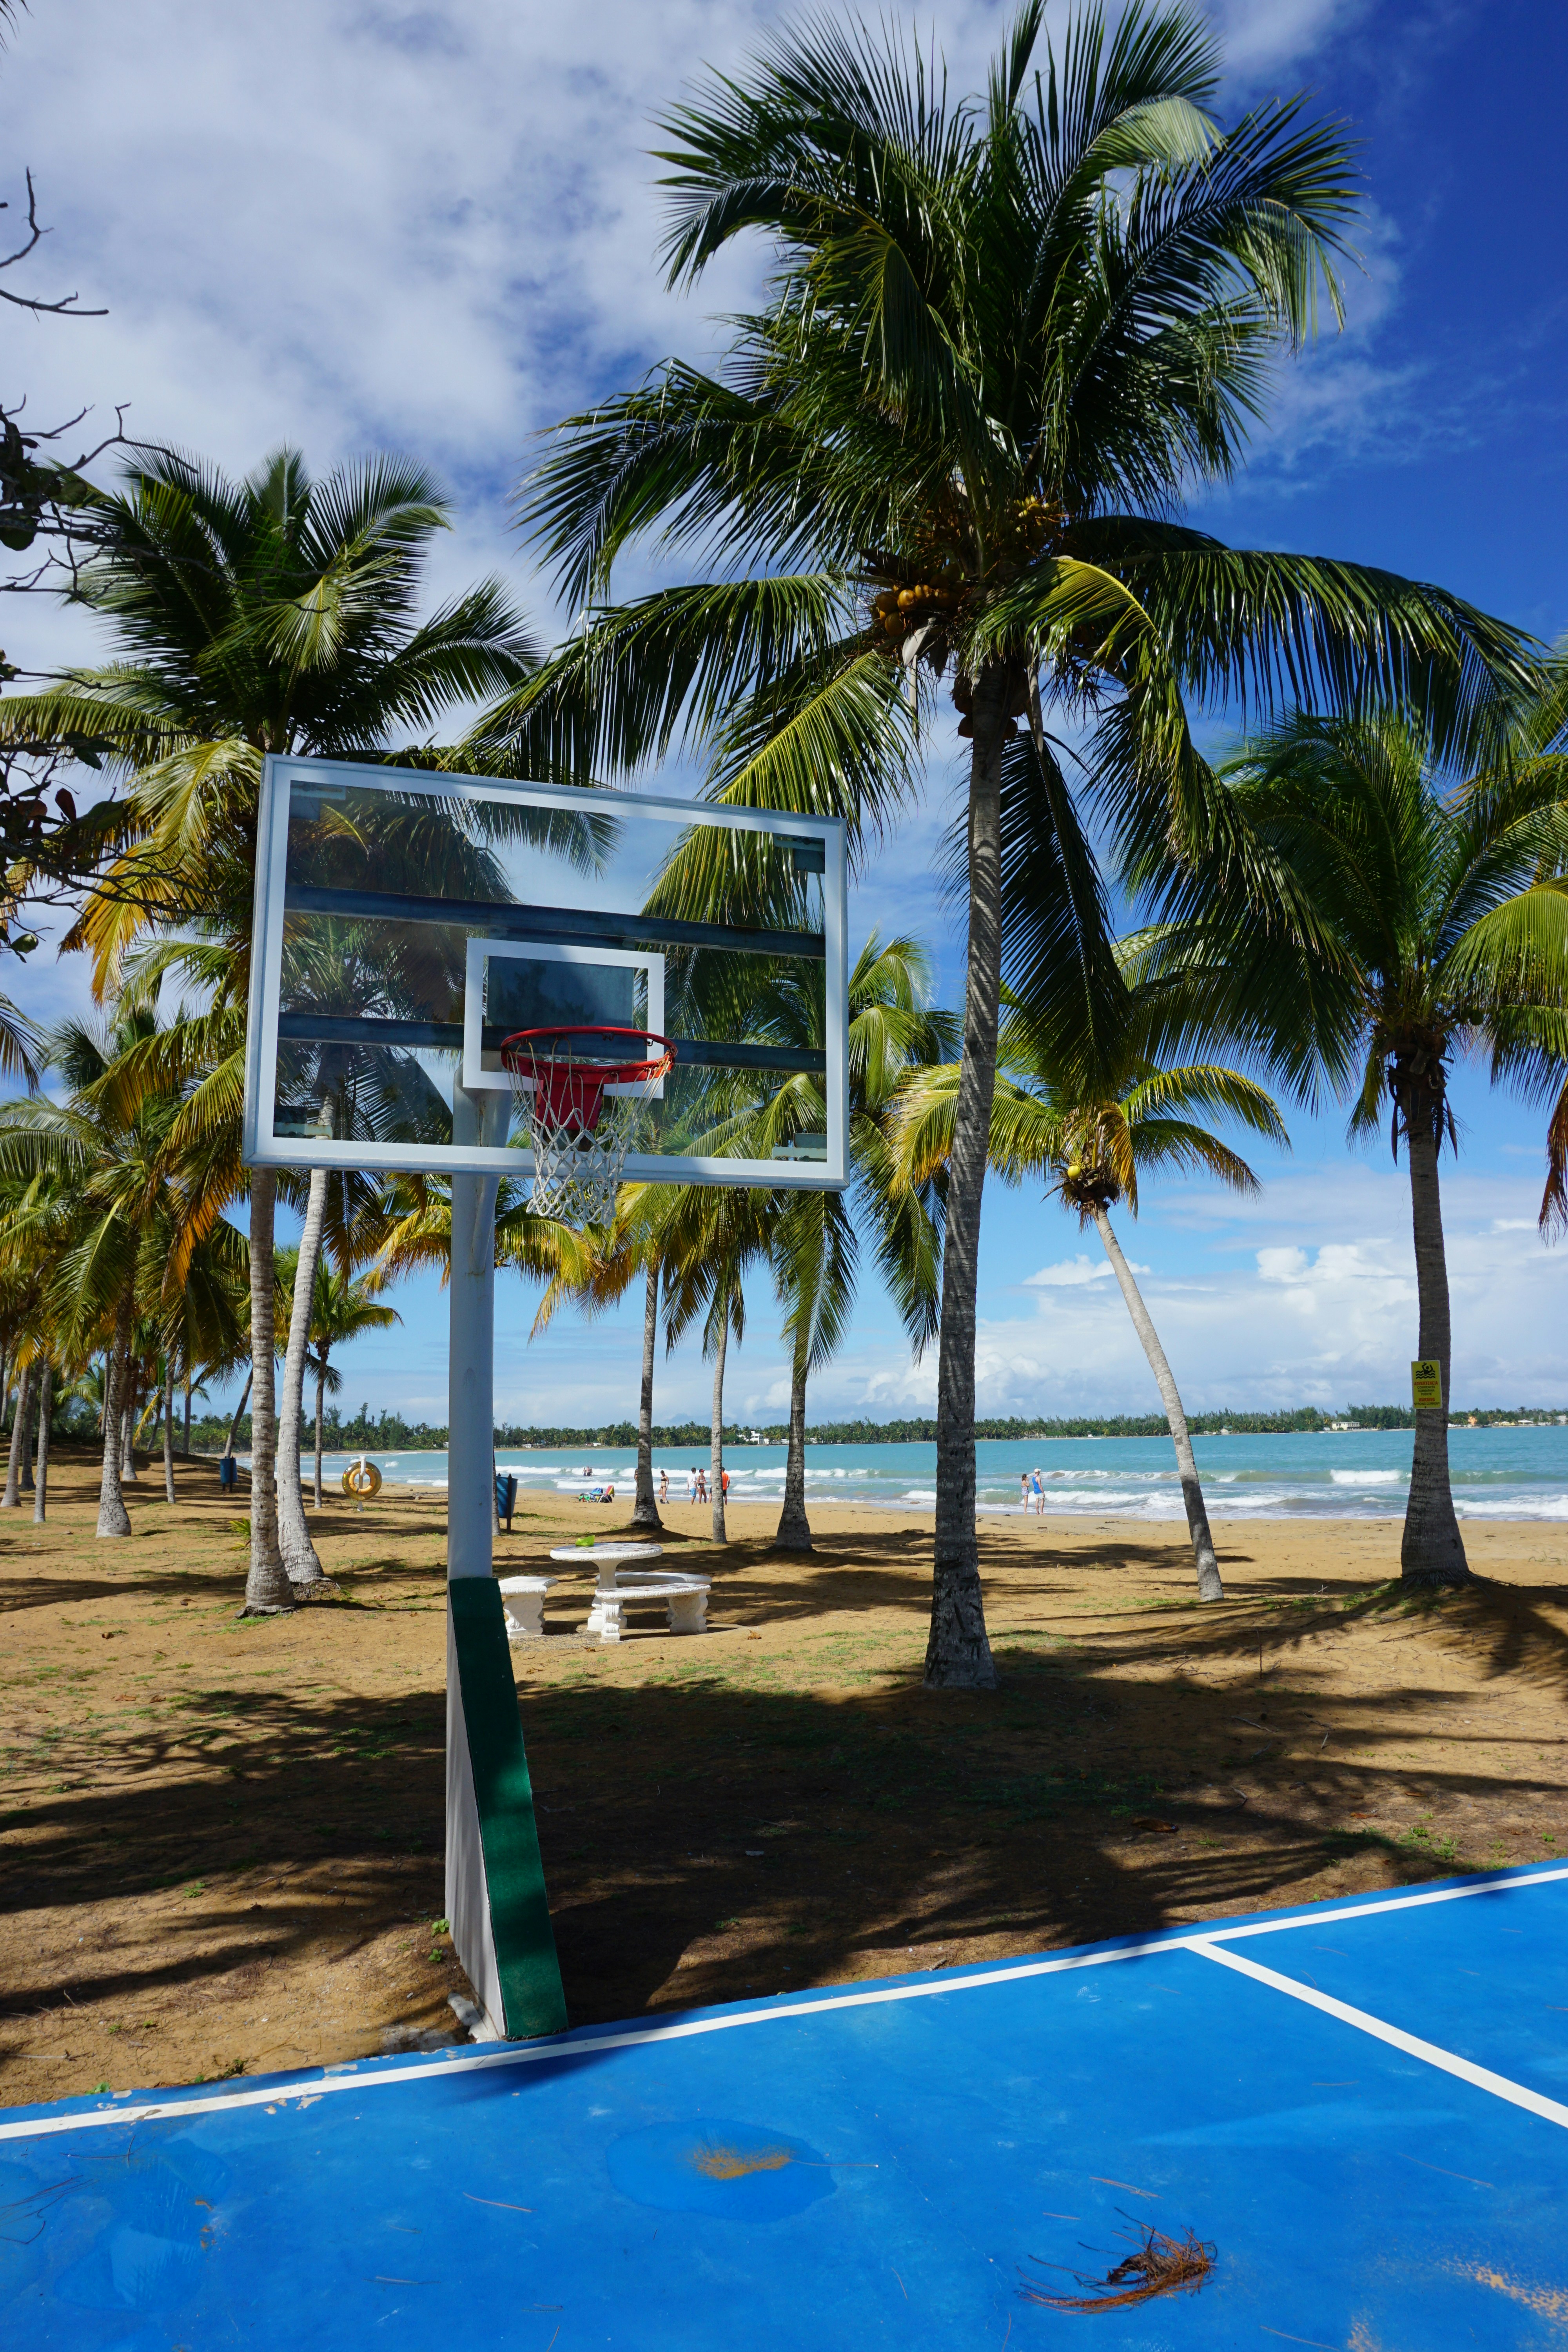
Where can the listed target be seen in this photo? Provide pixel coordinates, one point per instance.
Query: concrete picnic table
(617, 1585)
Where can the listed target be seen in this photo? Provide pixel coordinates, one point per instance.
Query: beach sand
(221, 1840)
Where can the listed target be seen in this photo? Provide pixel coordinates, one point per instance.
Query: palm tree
(18, 1044)
(1004, 335)
(205, 1330)
(596, 1269)
(814, 1237)
(274, 615)
(708, 1237)
(24, 1268)
(1089, 1128)
(29, 1258)
(1370, 926)
(343, 1308)
(46, 1417)
(21, 1424)
(811, 1241)
(110, 1171)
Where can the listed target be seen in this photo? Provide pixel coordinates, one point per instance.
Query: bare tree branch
(68, 307)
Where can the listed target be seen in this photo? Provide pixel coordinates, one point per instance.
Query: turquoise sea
(1499, 1473)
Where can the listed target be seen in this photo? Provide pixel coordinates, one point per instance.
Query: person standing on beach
(664, 1485)
(701, 1484)
(1024, 1490)
(691, 1486)
(1039, 1485)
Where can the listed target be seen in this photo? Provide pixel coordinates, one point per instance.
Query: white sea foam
(1496, 1475)
(1532, 1507)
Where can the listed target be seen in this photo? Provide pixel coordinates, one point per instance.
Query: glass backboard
(408, 922)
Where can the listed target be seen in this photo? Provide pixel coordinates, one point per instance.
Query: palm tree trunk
(795, 1529)
(958, 1654)
(239, 1411)
(114, 1519)
(128, 1432)
(13, 1496)
(268, 1591)
(46, 1414)
(321, 1392)
(29, 1439)
(1209, 1585)
(169, 1430)
(1432, 1550)
(186, 1448)
(716, 1445)
(646, 1514)
(300, 1555)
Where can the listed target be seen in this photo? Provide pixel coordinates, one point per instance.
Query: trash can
(506, 1498)
(227, 1473)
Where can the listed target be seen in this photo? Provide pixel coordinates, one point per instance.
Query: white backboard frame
(262, 1148)
(478, 1075)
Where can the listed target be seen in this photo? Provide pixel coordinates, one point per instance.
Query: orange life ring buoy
(363, 1480)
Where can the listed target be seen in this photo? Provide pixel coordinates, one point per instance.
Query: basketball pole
(496, 1899)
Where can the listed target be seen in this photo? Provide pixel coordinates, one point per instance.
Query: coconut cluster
(896, 611)
(1037, 523)
(1088, 1183)
(942, 581)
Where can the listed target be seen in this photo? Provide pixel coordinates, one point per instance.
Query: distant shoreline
(393, 1434)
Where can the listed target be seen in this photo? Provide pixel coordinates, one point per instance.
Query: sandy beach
(221, 1840)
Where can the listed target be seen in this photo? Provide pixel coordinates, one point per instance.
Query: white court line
(533, 2054)
(1499, 2085)
(1371, 1910)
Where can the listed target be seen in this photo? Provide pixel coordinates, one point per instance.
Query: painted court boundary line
(1204, 1942)
(1499, 2085)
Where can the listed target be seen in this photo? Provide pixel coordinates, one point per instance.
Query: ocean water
(1499, 1473)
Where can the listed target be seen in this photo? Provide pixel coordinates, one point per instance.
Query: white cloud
(1262, 37)
(353, 224)
(1316, 1303)
(1072, 1273)
(1069, 1273)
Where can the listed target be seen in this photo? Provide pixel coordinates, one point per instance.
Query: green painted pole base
(495, 1877)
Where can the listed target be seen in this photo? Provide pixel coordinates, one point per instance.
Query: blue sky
(355, 224)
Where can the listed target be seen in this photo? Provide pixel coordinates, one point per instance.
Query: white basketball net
(580, 1133)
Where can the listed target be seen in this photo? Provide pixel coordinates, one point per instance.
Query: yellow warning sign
(1426, 1386)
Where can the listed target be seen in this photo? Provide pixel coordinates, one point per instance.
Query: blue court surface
(1362, 2107)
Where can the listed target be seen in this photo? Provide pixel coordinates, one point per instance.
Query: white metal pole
(471, 1519)
(480, 1119)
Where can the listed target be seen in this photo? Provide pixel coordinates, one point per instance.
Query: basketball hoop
(560, 1079)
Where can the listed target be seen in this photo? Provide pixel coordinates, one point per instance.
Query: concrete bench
(685, 1599)
(523, 1598)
